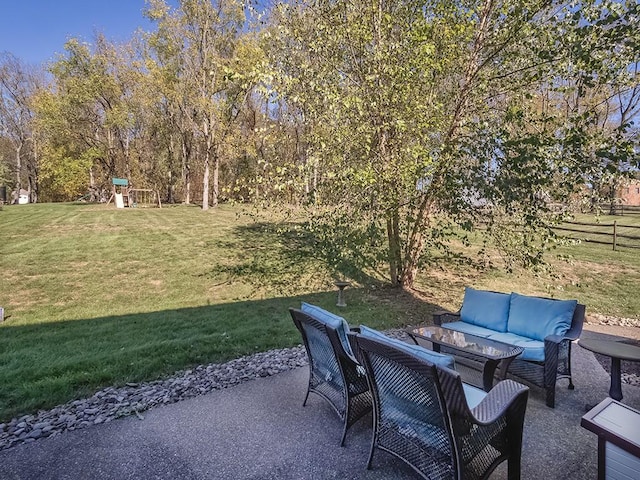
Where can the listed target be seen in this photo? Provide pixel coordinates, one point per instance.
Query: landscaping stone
(597, 318)
(134, 398)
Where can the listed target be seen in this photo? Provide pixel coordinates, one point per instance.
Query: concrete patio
(259, 430)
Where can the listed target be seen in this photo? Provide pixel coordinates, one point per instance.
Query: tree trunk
(170, 198)
(127, 159)
(415, 245)
(94, 195)
(33, 189)
(216, 174)
(613, 194)
(205, 182)
(410, 268)
(34, 173)
(186, 172)
(171, 162)
(395, 260)
(18, 168)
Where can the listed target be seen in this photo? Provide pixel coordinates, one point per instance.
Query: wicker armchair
(333, 373)
(421, 416)
(557, 355)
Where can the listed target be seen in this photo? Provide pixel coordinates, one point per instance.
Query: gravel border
(598, 319)
(134, 398)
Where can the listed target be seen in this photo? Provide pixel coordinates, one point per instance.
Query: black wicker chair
(422, 417)
(333, 374)
(557, 356)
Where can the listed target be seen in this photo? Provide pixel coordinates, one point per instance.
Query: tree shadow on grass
(51, 363)
(297, 260)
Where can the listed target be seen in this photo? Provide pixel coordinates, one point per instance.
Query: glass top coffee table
(488, 353)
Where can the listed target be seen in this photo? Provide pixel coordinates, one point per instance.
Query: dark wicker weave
(333, 374)
(557, 356)
(421, 416)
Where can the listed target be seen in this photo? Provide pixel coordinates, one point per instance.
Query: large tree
(19, 83)
(429, 112)
(201, 37)
(89, 117)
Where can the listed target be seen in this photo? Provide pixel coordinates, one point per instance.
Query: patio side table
(618, 430)
(617, 351)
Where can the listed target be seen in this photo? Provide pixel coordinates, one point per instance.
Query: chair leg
(515, 425)
(370, 461)
(551, 396)
(550, 374)
(344, 433)
(346, 420)
(513, 467)
(374, 439)
(571, 386)
(306, 397)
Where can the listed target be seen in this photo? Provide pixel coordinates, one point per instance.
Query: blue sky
(35, 30)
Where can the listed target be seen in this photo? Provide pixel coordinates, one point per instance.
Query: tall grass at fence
(616, 231)
(606, 281)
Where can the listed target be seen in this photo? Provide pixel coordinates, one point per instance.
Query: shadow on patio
(260, 430)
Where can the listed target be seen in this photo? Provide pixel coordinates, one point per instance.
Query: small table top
(616, 423)
(467, 342)
(610, 348)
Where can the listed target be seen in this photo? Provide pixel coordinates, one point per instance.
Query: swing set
(125, 196)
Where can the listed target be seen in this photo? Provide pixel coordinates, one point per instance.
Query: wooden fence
(620, 209)
(627, 236)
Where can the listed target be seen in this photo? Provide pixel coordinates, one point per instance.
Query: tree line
(399, 124)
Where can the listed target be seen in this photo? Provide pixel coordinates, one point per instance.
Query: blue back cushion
(536, 318)
(485, 309)
(439, 359)
(331, 319)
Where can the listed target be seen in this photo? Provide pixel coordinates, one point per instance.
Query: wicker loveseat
(544, 327)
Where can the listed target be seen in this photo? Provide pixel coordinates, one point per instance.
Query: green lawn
(96, 296)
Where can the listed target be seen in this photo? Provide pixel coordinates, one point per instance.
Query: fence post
(615, 234)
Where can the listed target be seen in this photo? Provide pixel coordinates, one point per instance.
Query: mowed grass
(95, 296)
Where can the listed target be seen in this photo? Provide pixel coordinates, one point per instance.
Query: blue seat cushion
(415, 428)
(537, 318)
(439, 359)
(533, 349)
(338, 323)
(473, 395)
(469, 328)
(397, 406)
(485, 309)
